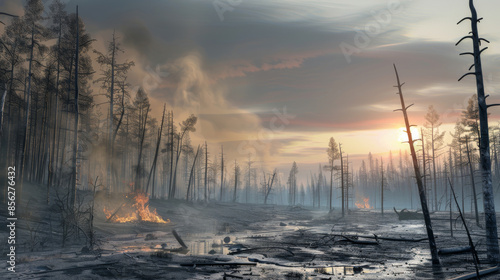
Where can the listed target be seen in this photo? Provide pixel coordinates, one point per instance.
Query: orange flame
(142, 212)
(364, 204)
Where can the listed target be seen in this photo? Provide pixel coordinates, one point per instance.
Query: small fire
(364, 204)
(141, 213)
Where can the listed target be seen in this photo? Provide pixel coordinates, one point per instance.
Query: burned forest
(219, 139)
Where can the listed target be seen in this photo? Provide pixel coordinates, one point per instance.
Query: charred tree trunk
(269, 187)
(221, 173)
(74, 184)
(153, 166)
(192, 173)
(110, 131)
(342, 178)
(171, 150)
(235, 181)
(206, 173)
(27, 115)
(331, 185)
(493, 251)
(471, 171)
(434, 176)
(137, 183)
(2, 105)
(382, 188)
(418, 177)
(53, 155)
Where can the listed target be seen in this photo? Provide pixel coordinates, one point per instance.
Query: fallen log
(260, 249)
(231, 276)
(76, 267)
(272, 262)
(393, 238)
(361, 242)
(219, 264)
(474, 274)
(454, 250)
(179, 239)
(404, 214)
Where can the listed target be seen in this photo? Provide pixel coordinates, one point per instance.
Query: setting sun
(403, 136)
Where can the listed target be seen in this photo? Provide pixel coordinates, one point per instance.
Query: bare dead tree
(206, 172)
(27, 114)
(471, 244)
(471, 172)
(418, 177)
(191, 174)
(186, 127)
(137, 186)
(493, 251)
(153, 166)
(74, 184)
(236, 179)
(221, 172)
(382, 186)
(268, 186)
(2, 105)
(342, 178)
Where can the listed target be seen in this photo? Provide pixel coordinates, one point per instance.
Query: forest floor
(238, 241)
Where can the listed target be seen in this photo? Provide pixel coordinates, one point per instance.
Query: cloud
(220, 122)
(270, 54)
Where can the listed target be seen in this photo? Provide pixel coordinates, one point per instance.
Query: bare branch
(470, 73)
(482, 50)
(482, 39)
(466, 37)
(464, 19)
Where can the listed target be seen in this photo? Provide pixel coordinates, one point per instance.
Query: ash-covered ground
(238, 241)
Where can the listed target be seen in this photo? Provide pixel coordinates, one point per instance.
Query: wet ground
(235, 241)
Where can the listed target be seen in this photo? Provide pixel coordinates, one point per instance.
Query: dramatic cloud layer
(278, 78)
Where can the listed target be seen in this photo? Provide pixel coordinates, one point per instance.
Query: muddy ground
(239, 241)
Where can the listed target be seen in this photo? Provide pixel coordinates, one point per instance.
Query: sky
(275, 80)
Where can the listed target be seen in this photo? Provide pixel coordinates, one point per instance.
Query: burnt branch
(463, 38)
(467, 74)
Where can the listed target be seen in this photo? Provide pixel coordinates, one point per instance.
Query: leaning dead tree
(493, 252)
(418, 177)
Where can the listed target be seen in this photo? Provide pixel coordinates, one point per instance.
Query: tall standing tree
(333, 154)
(59, 18)
(436, 142)
(186, 126)
(221, 171)
(36, 33)
(237, 173)
(342, 179)
(112, 71)
(382, 186)
(75, 127)
(470, 119)
(141, 109)
(493, 250)
(292, 183)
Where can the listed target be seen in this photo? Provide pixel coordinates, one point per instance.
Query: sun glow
(403, 136)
